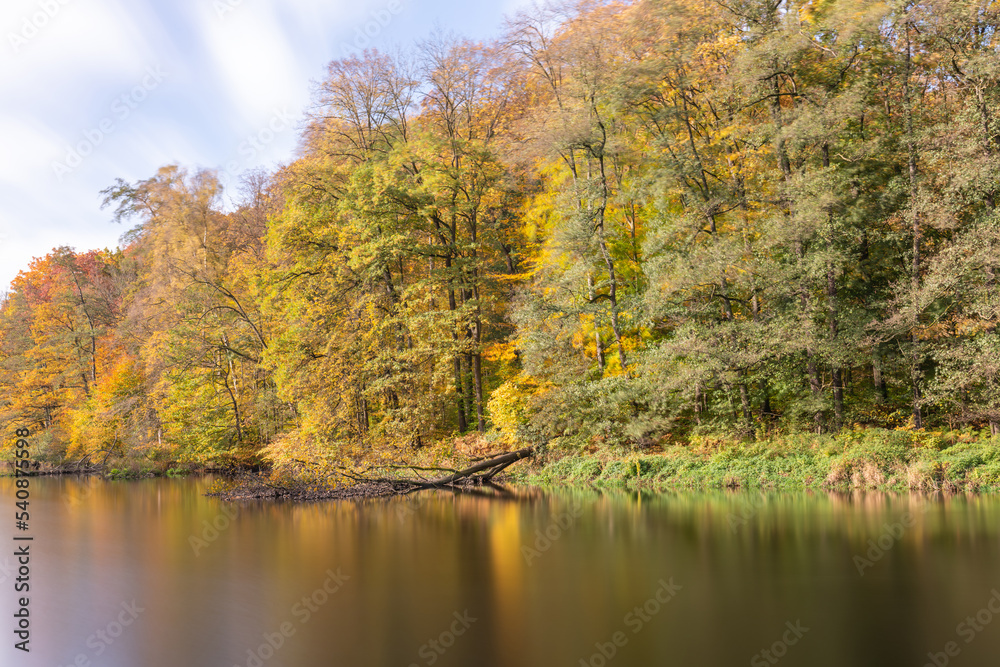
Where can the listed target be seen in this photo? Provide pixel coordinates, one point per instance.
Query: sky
(96, 90)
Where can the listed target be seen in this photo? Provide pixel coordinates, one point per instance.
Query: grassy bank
(862, 459)
(872, 459)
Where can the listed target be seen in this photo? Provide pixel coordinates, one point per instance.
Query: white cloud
(33, 144)
(90, 38)
(226, 76)
(255, 64)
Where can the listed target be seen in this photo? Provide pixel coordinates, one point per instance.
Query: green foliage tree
(620, 222)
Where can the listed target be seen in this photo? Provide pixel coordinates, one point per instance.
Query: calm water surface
(134, 574)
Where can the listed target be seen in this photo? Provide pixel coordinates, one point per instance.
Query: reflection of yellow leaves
(508, 563)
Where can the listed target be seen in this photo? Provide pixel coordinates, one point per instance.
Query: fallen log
(479, 475)
(487, 470)
(494, 466)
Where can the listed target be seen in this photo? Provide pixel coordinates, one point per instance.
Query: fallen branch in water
(489, 469)
(480, 474)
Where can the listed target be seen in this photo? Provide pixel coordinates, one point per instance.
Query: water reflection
(522, 577)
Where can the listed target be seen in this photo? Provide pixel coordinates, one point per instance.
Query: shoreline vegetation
(665, 242)
(861, 459)
(870, 460)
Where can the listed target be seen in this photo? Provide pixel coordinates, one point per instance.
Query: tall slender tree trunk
(697, 404)
(361, 406)
(609, 263)
(878, 377)
(598, 342)
(463, 425)
(236, 408)
(477, 377)
(477, 328)
(911, 146)
(467, 385)
(469, 371)
(230, 372)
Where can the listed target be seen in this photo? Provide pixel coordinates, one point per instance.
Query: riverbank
(871, 459)
(866, 459)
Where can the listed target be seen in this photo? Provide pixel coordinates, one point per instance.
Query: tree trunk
(467, 385)
(613, 294)
(745, 406)
(911, 145)
(477, 374)
(236, 410)
(463, 425)
(598, 343)
(232, 390)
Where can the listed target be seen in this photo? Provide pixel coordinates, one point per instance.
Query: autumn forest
(618, 223)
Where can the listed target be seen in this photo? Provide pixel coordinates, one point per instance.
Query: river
(155, 574)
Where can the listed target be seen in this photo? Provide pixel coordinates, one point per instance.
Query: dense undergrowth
(876, 459)
(860, 458)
